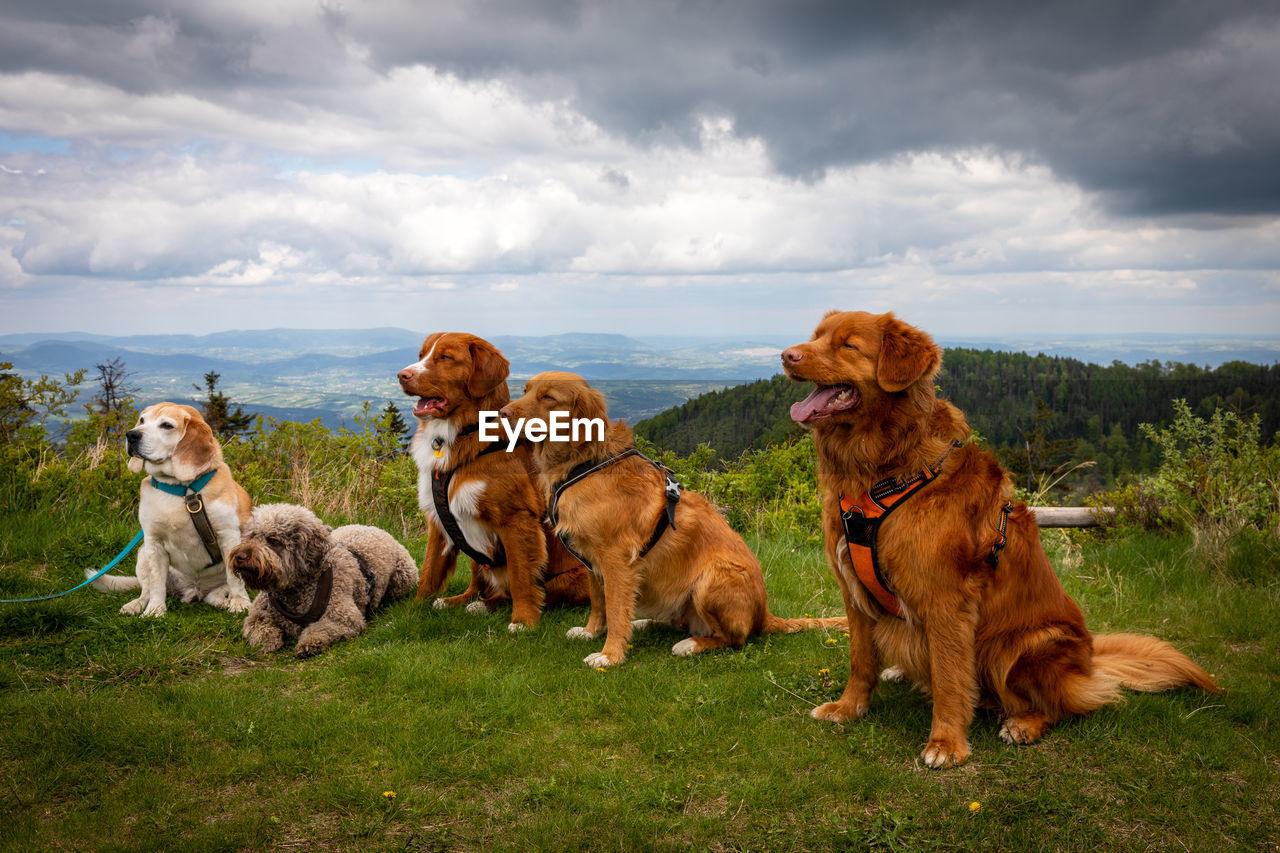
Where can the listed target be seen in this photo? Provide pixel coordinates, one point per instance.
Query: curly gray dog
(316, 583)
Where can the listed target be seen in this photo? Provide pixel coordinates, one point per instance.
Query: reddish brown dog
(698, 576)
(979, 623)
(491, 495)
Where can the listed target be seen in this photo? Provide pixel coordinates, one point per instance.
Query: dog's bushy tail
(1137, 662)
(1147, 664)
(778, 625)
(113, 583)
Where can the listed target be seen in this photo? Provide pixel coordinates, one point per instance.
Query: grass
(123, 733)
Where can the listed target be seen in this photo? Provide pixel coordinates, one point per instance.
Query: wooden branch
(1072, 516)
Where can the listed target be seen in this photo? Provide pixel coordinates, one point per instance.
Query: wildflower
(975, 806)
(601, 669)
(390, 795)
(831, 641)
(824, 672)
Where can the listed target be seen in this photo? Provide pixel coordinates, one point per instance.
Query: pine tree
(218, 413)
(393, 425)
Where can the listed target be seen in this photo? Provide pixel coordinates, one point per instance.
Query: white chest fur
(435, 436)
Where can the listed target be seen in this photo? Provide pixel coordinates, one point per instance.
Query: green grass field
(439, 730)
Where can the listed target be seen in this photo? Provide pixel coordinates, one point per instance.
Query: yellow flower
(846, 634)
(831, 641)
(601, 669)
(824, 672)
(975, 806)
(390, 795)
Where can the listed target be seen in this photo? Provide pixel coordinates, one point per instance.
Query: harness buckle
(858, 529)
(194, 504)
(673, 489)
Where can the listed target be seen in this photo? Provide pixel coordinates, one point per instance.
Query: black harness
(667, 519)
(324, 589)
(440, 497)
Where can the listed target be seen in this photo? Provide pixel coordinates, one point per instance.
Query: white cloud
(316, 169)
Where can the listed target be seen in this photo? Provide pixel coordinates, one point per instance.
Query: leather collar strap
(190, 493)
(671, 489)
(861, 519)
(440, 497)
(319, 604)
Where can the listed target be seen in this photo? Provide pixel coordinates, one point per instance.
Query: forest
(1037, 412)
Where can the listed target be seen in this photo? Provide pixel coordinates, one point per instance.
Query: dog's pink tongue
(821, 396)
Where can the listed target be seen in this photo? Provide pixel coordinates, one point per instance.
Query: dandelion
(390, 795)
(831, 641)
(975, 806)
(846, 634)
(601, 669)
(824, 672)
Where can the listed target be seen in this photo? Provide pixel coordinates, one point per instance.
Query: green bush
(1216, 480)
(773, 490)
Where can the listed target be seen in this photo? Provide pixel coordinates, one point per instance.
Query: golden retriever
(699, 576)
(983, 616)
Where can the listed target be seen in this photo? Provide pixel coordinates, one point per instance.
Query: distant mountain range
(309, 373)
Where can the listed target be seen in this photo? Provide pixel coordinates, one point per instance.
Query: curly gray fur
(284, 551)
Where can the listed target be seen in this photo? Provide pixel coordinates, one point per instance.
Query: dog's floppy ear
(198, 450)
(906, 355)
(488, 368)
(588, 403)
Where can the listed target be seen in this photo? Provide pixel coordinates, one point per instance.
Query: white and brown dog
(175, 446)
(491, 502)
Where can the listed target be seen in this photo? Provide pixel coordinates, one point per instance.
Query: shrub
(1216, 479)
(773, 490)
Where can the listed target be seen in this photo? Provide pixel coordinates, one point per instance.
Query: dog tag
(437, 444)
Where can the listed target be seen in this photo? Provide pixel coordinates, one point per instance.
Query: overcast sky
(727, 167)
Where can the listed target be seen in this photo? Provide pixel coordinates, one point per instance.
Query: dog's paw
(156, 611)
(577, 632)
(943, 752)
(517, 627)
(837, 712)
(307, 649)
(477, 607)
(640, 624)
(439, 604)
(1024, 728)
(192, 595)
(599, 659)
(238, 603)
(133, 608)
(684, 648)
(893, 673)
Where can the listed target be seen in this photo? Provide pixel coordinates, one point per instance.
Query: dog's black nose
(131, 438)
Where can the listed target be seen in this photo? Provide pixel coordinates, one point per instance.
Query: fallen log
(1072, 516)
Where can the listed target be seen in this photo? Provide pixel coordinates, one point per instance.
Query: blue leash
(108, 567)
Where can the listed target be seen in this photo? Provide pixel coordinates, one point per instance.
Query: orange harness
(863, 516)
